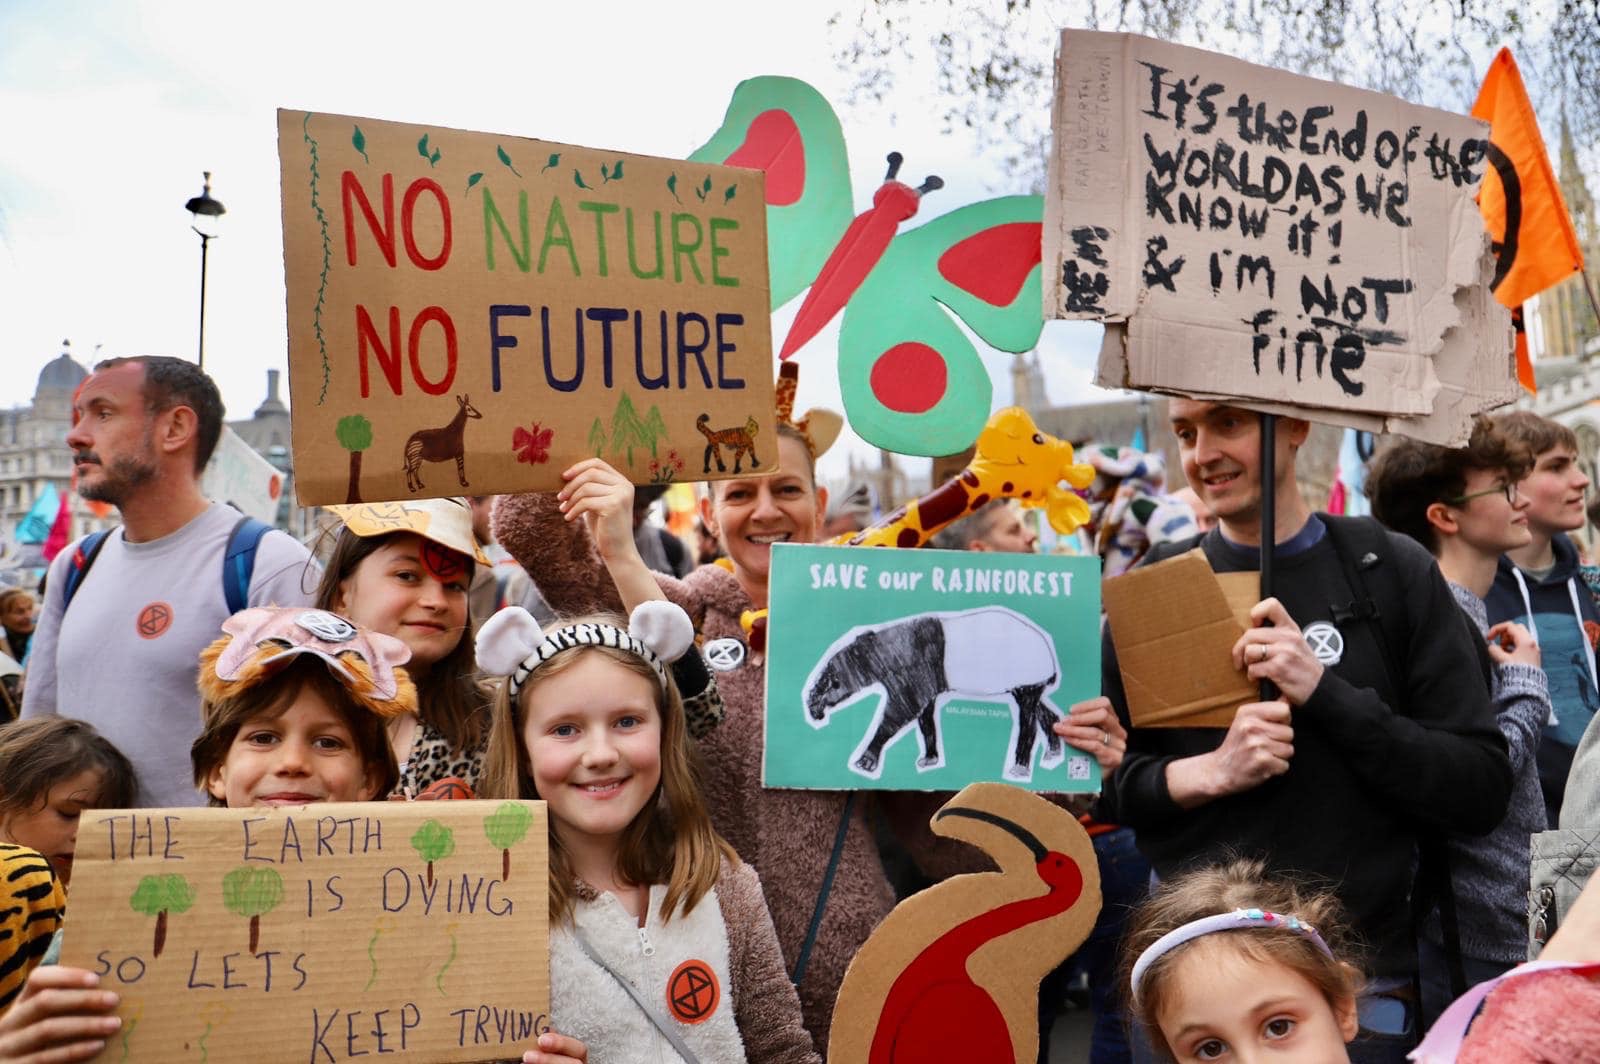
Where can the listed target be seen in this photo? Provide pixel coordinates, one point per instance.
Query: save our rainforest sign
(470, 313)
(927, 669)
(412, 930)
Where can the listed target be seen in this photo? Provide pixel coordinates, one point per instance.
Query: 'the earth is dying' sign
(315, 934)
(1252, 234)
(471, 313)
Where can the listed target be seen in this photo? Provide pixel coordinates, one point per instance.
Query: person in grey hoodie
(1537, 585)
(1463, 504)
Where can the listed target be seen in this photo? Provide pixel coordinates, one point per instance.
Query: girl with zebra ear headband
(590, 721)
(512, 645)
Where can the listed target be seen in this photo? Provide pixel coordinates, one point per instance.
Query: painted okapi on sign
(918, 663)
(440, 445)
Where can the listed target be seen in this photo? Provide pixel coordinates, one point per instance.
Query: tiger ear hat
(260, 641)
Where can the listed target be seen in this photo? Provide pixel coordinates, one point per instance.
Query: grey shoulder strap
(672, 1036)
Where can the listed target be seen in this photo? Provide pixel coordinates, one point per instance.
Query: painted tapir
(916, 664)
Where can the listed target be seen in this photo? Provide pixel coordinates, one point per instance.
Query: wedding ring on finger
(1105, 737)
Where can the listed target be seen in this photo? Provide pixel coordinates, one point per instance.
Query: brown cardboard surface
(317, 933)
(1014, 928)
(1143, 231)
(1174, 631)
(470, 313)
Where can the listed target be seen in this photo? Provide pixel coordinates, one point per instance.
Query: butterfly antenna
(931, 183)
(895, 159)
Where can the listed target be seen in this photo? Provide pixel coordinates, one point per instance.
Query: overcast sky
(109, 113)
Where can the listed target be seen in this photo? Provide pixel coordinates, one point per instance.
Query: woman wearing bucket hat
(403, 569)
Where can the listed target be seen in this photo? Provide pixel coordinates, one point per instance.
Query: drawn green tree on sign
(629, 430)
(506, 827)
(597, 437)
(252, 892)
(355, 436)
(157, 896)
(433, 842)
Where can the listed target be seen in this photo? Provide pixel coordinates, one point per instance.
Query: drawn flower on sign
(666, 470)
(532, 444)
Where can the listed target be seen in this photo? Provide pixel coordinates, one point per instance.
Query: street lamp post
(205, 211)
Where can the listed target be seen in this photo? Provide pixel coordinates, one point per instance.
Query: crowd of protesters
(1362, 830)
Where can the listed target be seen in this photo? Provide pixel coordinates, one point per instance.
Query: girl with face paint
(403, 569)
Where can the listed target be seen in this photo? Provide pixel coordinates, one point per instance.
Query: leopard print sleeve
(702, 701)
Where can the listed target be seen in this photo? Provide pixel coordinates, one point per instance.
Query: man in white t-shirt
(126, 654)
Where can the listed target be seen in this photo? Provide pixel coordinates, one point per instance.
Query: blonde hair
(1239, 884)
(669, 841)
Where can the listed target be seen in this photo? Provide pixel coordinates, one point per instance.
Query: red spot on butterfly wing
(773, 143)
(909, 378)
(993, 264)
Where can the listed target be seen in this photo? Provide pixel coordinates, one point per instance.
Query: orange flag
(1521, 200)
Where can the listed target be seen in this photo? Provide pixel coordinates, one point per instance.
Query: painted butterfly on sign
(911, 379)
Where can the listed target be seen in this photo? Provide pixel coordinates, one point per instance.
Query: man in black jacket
(1382, 735)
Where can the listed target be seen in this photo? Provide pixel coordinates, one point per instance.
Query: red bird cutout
(953, 972)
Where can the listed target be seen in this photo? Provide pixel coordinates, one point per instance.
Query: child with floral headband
(660, 940)
(1226, 964)
(293, 705)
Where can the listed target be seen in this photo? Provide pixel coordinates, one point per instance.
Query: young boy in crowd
(1464, 506)
(1537, 585)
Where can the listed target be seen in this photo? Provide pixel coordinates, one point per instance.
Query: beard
(119, 480)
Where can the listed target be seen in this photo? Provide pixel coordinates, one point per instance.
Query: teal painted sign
(928, 670)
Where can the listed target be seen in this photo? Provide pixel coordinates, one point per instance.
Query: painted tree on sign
(158, 895)
(355, 436)
(597, 438)
(252, 892)
(629, 430)
(506, 827)
(433, 842)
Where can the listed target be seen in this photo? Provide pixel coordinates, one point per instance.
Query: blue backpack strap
(239, 563)
(82, 557)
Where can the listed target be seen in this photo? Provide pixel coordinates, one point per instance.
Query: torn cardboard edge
(1174, 629)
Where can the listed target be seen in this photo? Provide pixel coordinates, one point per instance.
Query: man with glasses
(1463, 505)
(1537, 585)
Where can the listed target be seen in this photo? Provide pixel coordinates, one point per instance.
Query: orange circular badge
(154, 620)
(693, 992)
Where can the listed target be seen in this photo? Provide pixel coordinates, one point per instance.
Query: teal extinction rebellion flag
(928, 670)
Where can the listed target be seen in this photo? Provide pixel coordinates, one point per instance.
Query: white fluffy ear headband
(511, 644)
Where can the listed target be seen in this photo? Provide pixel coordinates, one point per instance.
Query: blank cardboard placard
(237, 475)
(928, 669)
(1174, 631)
(1270, 237)
(471, 313)
(952, 973)
(317, 933)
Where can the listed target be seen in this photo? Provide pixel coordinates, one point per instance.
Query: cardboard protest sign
(237, 475)
(953, 972)
(318, 932)
(471, 313)
(975, 655)
(1260, 236)
(1174, 630)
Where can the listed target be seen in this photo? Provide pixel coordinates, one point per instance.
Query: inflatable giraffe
(1014, 460)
